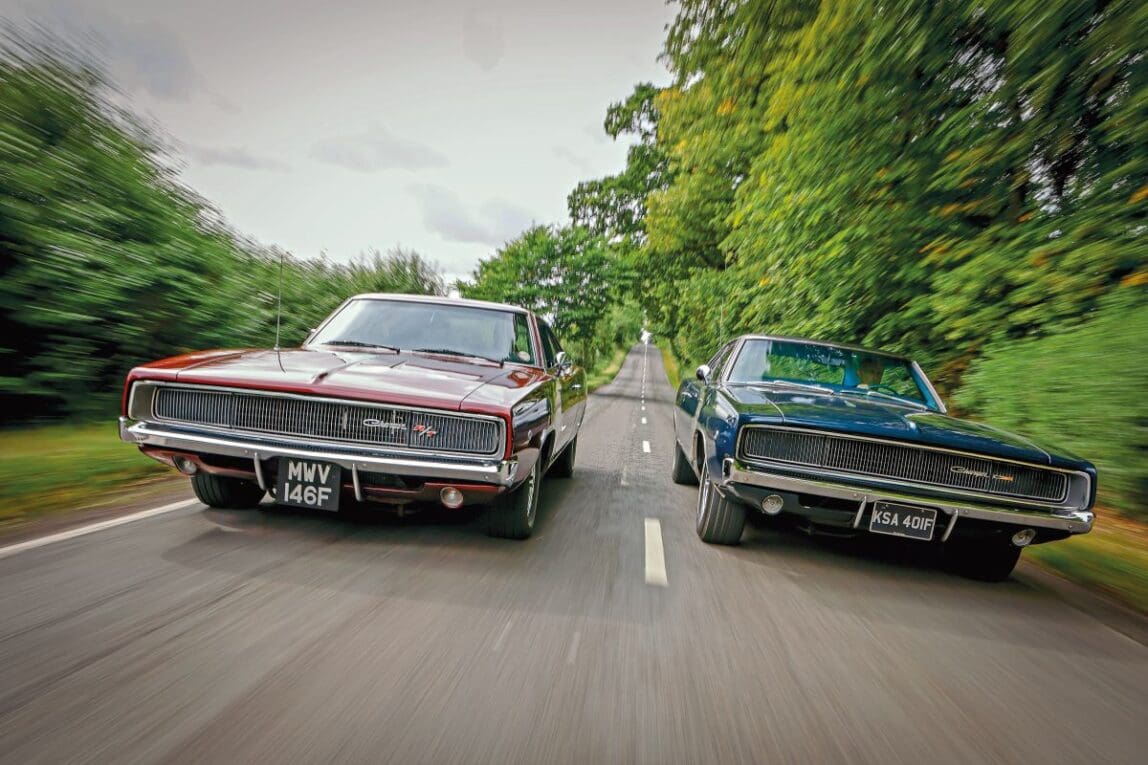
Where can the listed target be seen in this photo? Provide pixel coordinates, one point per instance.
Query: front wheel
(720, 520)
(225, 493)
(987, 561)
(511, 515)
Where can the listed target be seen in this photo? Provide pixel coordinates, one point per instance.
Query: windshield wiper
(791, 384)
(451, 352)
(358, 344)
(882, 394)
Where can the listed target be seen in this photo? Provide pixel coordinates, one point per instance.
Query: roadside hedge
(1084, 388)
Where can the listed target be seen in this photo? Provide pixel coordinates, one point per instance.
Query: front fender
(717, 427)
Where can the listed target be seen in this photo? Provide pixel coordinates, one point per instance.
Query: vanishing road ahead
(614, 635)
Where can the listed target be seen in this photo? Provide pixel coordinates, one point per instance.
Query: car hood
(410, 379)
(879, 419)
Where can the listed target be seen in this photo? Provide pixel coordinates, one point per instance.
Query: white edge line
(32, 544)
(655, 554)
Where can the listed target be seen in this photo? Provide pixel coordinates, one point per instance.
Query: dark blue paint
(724, 408)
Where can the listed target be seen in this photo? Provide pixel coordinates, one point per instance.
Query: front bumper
(1071, 521)
(497, 472)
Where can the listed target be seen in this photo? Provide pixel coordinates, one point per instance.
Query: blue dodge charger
(852, 441)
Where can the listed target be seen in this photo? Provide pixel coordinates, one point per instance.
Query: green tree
(565, 274)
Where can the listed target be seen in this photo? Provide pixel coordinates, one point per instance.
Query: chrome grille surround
(930, 467)
(324, 419)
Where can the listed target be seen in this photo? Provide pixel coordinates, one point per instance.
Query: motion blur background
(966, 183)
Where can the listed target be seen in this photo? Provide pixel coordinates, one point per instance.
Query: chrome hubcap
(531, 506)
(703, 493)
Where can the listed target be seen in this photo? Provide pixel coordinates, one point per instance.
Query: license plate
(306, 483)
(903, 521)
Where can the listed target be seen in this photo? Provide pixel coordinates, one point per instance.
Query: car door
(692, 396)
(569, 389)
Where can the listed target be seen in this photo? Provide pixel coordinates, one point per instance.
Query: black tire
(563, 467)
(512, 515)
(720, 520)
(683, 471)
(983, 560)
(226, 493)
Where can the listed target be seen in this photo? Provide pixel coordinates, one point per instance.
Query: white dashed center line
(646, 447)
(502, 636)
(655, 555)
(643, 420)
(573, 648)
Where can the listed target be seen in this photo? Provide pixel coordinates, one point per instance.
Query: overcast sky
(446, 126)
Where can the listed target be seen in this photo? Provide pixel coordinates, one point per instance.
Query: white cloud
(232, 156)
(142, 56)
(573, 158)
(483, 40)
(495, 223)
(376, 149)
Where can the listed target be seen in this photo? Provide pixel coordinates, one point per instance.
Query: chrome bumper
(1073, 521)
(497, 472)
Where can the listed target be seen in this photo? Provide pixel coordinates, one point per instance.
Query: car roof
(843, 346)
(439, 300)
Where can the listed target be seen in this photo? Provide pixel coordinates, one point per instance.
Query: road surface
(614, 635)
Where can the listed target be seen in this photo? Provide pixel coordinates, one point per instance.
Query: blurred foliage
(571, 277)
(107, 262)
(956, 181)
(1082, 388)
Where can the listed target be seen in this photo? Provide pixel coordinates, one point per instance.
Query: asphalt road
(196, 636)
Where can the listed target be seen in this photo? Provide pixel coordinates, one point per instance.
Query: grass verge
(1112, 558)
(607, 371)
(61, 467)
(673, 368)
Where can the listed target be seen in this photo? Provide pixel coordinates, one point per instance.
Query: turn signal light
(1023, 537)
(451, 497)
(185, 466)
(772, 504)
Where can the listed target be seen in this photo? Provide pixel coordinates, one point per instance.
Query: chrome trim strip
(860, 512)
(259, 471)
(941, 406)
(1074, 521)
(900, 482)
(493, 470)
(949, 528)
(323, 399)
(355, 483)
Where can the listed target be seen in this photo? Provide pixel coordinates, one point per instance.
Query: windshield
(487, 333)
(831, 369)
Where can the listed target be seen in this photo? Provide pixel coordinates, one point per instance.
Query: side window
(550, 346)
(521, 350)
(720, 358)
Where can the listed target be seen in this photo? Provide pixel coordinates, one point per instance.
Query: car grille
(331, 420)
(903, 462)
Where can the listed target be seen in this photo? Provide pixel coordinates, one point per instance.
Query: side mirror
(703, 374)
(563, 362)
